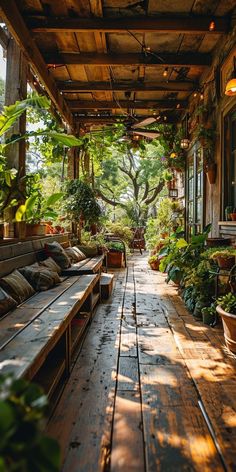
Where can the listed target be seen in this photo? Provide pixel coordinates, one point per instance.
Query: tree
(132, 179)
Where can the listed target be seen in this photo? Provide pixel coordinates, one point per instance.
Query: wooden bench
(106, 284)
(40, 339)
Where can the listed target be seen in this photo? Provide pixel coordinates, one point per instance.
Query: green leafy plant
(37, 209)
(81, 202)
(228, 303)
(121, 231)
(226, 253)
(23, 445)
(153, 258)
(115, 246)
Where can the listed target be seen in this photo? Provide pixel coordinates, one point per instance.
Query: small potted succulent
(226, 308)
(225, 258)
(154, 262)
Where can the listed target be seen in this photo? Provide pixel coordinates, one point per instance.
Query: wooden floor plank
(128, 374)
(127, 444)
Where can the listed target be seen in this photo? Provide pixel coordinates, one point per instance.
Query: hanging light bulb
(165, 72)
(184, 143)
(230, 88)
(212, 26)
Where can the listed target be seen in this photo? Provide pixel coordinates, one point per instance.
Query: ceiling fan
(134, 131)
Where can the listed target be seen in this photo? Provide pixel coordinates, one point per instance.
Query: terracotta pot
(211, 173)
(115, 259)
(154, 265)
(233, 216)
(229, 325)
(225, 262)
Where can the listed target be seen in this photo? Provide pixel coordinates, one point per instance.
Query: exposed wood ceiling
(103, 58)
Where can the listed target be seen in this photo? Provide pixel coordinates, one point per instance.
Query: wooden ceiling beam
(75, 86)
(54, 59)
(138, 104)
(13, 19)
(4, 38)
(165, 24)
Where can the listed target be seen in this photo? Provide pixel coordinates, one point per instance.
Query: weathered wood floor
(152, 389)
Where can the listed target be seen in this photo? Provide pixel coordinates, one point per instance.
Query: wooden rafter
(129, 59)
(13, 19)
(74, 86)
(117, 119)
(138, 104)
(165, 24)
(4, 38)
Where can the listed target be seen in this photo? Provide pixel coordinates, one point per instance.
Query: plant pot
(211, 173)
(154, 265)
(229, 325)
(35, 230)
(212, 242)
(233, 216)
(9, 230)
(20, 229)
(1, 230)
(225, 262)
(115, 259)
(207, 318)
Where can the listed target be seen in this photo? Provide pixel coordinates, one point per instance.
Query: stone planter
(115, 259)
(229, 325)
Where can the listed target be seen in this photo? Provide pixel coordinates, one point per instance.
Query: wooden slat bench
(39, 339)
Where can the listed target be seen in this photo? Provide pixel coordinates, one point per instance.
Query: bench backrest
(24, 253)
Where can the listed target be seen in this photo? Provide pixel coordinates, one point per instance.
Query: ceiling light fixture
(230, 88)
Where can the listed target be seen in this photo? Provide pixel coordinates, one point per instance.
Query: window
(194, 187)
(229, 167)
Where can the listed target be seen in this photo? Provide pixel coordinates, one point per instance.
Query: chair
(138, 241)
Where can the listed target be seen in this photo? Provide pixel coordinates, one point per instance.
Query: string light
(230, 88)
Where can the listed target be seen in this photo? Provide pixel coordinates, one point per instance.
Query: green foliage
(122, 232)
(37, 209)
(153, 258)
(23, 445)
(225, 253)
(115, 246)
(228, 303)
(80, 202)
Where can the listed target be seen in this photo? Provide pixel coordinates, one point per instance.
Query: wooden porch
(152, 389)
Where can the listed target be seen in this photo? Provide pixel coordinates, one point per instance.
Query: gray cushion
(51, 265)
(17, 286)
(6, 302)
(75, 254)
(40, 277)
(56, 251)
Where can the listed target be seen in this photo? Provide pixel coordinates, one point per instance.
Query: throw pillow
(17, 286)
(89, 251)
(75, 254)
(51, 265)
(56, 251)
(6, 302)
(40, 277)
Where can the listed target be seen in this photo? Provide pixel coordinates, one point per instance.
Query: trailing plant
(23, 445)
(228, 303)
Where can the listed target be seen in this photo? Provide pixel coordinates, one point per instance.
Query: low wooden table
(106, 284)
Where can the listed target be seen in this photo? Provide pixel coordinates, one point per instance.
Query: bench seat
(87, 266)
(30, 334)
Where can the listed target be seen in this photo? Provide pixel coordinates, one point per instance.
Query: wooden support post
(16, 89)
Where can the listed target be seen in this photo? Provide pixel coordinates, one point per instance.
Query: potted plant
(115, 254)
(23, 445)
(225, 258)
(81, 203)
(226, 308)
(35, 210)
(209, 314)
(154, 262)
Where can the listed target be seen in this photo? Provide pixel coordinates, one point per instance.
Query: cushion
(40, 277)
(56, 251)
(89, 251)
(51, 265)
(6, 302)
(75, 254)
(17, 286)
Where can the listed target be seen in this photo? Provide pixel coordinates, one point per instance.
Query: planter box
(115, 259)
(35, 230)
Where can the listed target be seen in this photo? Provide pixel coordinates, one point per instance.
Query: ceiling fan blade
(148, 134)
(146, 122)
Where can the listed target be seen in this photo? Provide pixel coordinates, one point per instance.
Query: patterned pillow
(56, 251)
(6, 302)
(51, 265)
(40, 277)
(17, 286)
(75, 254)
